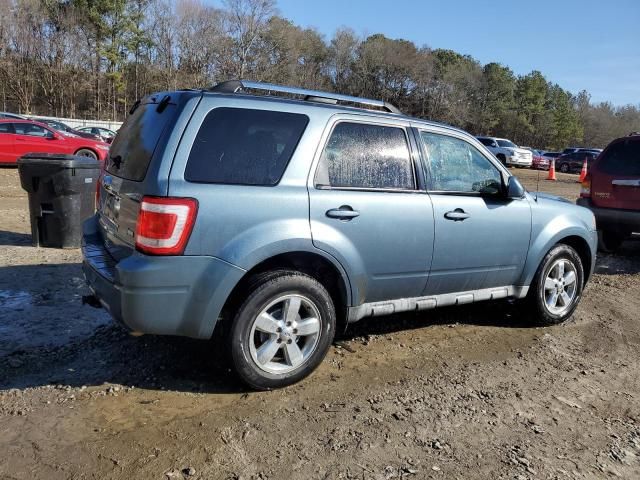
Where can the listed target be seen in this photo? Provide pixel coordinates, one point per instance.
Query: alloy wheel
(285, 334)
(560, 286)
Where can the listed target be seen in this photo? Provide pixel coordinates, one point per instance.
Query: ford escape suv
(274, 216)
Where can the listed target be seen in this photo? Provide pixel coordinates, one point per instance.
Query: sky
(579, 44)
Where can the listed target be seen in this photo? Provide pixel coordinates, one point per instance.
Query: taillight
(164, 224)
(585, 187)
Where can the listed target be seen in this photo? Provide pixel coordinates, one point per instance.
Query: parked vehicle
(275, 222)
(19, 137)
(579, 149)
(573, 162)
(104, 134)
(14, 116)
(507, 152)
(543, 160)
(67, 130)
(612, 191)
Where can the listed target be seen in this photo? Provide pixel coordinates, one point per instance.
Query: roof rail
(236, 86)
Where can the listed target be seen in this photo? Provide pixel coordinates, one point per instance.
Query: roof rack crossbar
(235, 86)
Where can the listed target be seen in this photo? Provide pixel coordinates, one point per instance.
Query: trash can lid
(58, 160)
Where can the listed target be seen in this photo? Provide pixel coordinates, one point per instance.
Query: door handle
(345, 212)
(457, 215)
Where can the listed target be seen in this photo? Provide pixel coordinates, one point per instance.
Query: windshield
(507, 143)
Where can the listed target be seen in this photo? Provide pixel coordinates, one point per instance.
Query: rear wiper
(116, 161)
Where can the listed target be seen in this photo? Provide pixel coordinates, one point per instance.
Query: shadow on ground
(47, 336)
(14, 239)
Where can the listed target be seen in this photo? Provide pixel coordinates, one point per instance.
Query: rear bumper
(613, 219)
(180, 295)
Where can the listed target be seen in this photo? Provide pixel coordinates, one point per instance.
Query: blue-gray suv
(275, 216)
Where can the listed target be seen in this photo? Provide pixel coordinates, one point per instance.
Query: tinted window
(507, 143)
(6, 128)
(622, 158)
(457, 166)
(131, 151)
(486, 141)
(244, 147)
(366, 156)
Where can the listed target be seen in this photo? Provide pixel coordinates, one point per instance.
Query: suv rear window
(244, 147)
(131, 150)
(621, 158)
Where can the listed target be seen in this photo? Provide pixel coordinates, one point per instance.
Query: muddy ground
(459, 393)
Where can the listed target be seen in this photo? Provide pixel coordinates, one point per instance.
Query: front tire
(282, 330)
(85, 152)
(564, 168)
(557, 286)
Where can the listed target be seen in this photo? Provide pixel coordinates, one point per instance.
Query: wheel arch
(581, 246)
(318, 266)
(572, 236)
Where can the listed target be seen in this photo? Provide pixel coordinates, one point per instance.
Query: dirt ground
(472, 392)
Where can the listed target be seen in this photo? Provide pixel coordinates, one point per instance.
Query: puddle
(11, 299)
(30, 322)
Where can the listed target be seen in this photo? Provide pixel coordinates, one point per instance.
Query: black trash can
(62, 192)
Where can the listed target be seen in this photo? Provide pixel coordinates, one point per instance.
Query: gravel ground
(472, 392)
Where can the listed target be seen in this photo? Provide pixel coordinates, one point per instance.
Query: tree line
(95, 58)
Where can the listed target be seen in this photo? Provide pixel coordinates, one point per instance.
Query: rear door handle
(345, 212)
(457, 215)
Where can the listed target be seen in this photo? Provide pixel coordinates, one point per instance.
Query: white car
(508, 152)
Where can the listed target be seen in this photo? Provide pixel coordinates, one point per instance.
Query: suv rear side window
(131, 150)
(360, 155)
(486, 142)
(622, 158)
(244, 147)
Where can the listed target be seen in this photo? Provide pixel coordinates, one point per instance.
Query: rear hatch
(134, 149)
(615, 176)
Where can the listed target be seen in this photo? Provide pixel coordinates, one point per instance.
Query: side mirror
(515, 190)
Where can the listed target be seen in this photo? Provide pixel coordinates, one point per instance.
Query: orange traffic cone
(552, 170)
(583, 172)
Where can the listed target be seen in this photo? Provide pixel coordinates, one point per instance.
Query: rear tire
(85, 152)
(282, 330)
(608, 241)
(557, 286)
(564, 167)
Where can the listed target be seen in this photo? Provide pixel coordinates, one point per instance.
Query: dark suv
(612, 191)
(572, 162)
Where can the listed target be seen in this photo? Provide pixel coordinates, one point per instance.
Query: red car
(543, 161)
(612, 191)
(18, 137)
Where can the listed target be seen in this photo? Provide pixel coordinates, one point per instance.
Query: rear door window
(366, 156)
(242, 146)
(6, 128)
(131, 151)
(622, 158)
